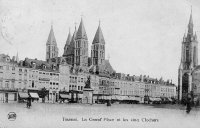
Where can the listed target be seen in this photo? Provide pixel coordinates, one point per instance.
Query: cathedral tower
(67, 44)
(98, 48)
(51, 46)
(70, 50)
(81, 47)
(189, 60)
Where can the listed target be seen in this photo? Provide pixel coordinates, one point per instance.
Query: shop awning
(80, 95)
(113, 97)
(64, 96)
(34, 95)
(134, 98)
(23, 95)
(120, 97)
(126, 98)
(157, 99)
(169, 99)
(151, 99)
(107, 97)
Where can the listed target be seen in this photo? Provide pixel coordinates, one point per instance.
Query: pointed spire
(17, 58)
(51, 38)
(68, 38)
(98, 38)
(190, 25)
(70, 48)
(74, 34)
(81, 33)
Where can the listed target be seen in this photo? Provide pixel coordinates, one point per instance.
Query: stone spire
(51, 38)
(70, 49)
(190, 25)
(17, 58)
(98, 38)
(68, 38)
(67, 43)
(81, 33)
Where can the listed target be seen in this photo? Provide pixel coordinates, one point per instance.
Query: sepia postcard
(99, 64)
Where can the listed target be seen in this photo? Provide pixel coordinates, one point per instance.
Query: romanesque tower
(98, 48)
(189, 60)
(81, 47)
(51, 46)
(67, 44)
(70, 50)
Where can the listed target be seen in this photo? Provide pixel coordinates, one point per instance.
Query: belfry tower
(98, 48)
(51, 46)
(189, 60)
(81, 47)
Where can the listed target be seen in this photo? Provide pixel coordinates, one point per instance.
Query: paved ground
(52, 115)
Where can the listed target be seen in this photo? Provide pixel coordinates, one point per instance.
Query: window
(1, 84)
(13, 68)
(1, 67)
(20, 70)
(7, 84)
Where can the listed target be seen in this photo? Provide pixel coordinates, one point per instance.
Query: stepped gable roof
(98, 38)
(51, 39)
(81, 33)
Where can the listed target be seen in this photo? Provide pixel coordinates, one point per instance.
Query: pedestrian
(188, 105)
(27, 103)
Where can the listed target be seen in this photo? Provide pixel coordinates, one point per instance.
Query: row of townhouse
(12, 80)
(16, 79)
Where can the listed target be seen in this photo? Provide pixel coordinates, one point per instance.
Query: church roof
(51, 38)
(104, 69)
(81, 33)
(98, 38)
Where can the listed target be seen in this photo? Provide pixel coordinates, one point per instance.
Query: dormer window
(43, 66)
(33, 65)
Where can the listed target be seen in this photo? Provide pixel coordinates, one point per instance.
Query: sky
(142, 36)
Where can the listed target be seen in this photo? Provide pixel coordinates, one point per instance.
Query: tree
(43, 93)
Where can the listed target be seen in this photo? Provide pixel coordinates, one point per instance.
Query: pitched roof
(105, 68)
(51, 38)
(81, 33)
(98, 38)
